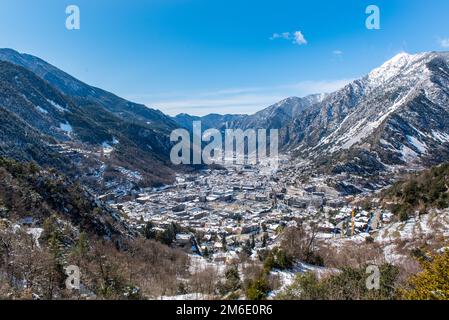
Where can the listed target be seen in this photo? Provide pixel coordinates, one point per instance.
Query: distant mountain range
(396, 116)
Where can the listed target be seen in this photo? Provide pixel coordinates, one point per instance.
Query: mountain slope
(210, 121)
(29, 192)
(397, 115)
(48, 222)
(84, 94)
(419, 192)
(276, 116)
(42, 124)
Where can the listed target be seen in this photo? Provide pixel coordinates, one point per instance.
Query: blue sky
(224, 56)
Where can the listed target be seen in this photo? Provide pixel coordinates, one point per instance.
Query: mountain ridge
(86, 94)
(393, 117)
(52, 128)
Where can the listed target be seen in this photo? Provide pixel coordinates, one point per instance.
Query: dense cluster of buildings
(229, 208)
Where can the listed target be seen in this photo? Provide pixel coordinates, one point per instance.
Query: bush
(300, 244)
(258, 289)
(278, 259)
(232, 282)
(305, 287)
(432, 283)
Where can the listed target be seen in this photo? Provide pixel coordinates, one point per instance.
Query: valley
(87, 179)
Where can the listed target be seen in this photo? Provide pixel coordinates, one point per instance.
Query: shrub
(258, 288)
(232, 282)
(278, 259)
(433, 282)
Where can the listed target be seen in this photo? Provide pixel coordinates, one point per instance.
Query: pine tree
(81, 248)
(224, 243)
(264, 241)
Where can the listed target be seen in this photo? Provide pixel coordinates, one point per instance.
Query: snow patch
(440, 136)
(132, 175)
(387, 144)
(36, 234)
(57, 106)
(408, 155)
(420, 146)
(41, 110)
(67, 128)
(107, 147)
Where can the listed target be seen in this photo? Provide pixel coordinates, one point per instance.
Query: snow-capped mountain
(396, 115)
(276, 116)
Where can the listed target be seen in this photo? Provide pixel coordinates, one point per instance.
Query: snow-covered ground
(414, 229)
(66, 127)
(198, 263)
(36, 234)
(57, 106)
(41, 110)
(108, 147)
(185, 297)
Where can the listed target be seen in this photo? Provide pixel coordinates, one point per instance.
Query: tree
(81, 247)
(277, 259)
(206, 252)
(232, 282)
(168, 236)
(264, 240)
(247, 248)
(264, 227)
(258, 288)
(300, 243)
(148, 230)
(224, 243)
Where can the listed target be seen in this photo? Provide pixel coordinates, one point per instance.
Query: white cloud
(296, 37)
(299, 38)
(284, 35)
(238, 100)
(444, 42)
(325, 86)
(337, 52)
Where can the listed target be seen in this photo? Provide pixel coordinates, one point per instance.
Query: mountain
(29, 193)
(398, 115)
(277, 115)
(84, 94)
(418, 192)
(273, 117)
(395, 117)
(95, 138)
(215, 121)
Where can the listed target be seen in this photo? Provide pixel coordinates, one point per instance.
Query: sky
(221, 56)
